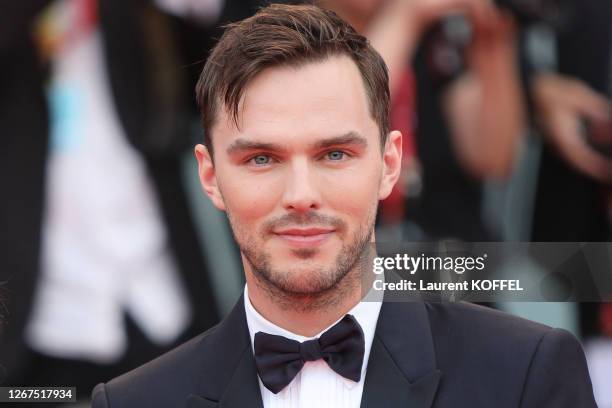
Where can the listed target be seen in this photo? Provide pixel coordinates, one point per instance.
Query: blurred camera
(447, 42)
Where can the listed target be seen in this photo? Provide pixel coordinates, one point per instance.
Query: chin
(306, 281)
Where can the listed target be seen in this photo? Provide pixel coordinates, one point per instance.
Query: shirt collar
(366, 314)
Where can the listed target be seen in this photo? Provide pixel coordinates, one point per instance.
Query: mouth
(304, 237)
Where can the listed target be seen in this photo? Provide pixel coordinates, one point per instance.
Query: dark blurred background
(110, 254)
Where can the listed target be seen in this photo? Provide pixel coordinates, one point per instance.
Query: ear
(392, 164)
(208, 177)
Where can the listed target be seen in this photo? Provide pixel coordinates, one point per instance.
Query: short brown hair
(286, 35)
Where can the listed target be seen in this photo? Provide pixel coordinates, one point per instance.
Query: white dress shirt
(316, 385)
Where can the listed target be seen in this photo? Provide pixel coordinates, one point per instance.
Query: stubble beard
(325, 288)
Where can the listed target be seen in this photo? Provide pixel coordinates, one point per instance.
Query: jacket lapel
(229, 379)
(401, 369)
(242, 391)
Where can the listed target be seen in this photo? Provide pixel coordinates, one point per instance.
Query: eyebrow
(242, 145)
(349, 138)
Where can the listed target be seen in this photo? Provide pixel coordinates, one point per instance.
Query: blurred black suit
(152, 95)
(23, 149)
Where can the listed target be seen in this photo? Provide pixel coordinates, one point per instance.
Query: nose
(301, 193)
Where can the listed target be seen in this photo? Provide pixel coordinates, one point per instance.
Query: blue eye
(336, 155)
(260, 160)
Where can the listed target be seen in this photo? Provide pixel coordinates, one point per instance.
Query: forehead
(289, 103)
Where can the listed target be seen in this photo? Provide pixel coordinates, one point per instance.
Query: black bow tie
(279, 359)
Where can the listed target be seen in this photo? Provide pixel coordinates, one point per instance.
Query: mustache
(302, 220)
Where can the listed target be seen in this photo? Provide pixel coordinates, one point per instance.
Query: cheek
(249, 200)
(352, 192)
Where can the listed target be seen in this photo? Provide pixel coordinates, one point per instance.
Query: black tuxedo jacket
(424, 354)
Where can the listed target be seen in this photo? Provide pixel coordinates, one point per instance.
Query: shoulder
(470, 320)
(161, 382)
(204, 364)
(479, 329)
(521, 359)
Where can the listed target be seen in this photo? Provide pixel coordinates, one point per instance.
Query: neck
(307, 315)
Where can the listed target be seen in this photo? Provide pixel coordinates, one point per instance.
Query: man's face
(301, 179)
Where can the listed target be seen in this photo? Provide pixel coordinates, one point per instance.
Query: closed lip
(304, 237)
(304, 232)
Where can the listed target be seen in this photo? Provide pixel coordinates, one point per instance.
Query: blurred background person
(118, 275)
(573, 114)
